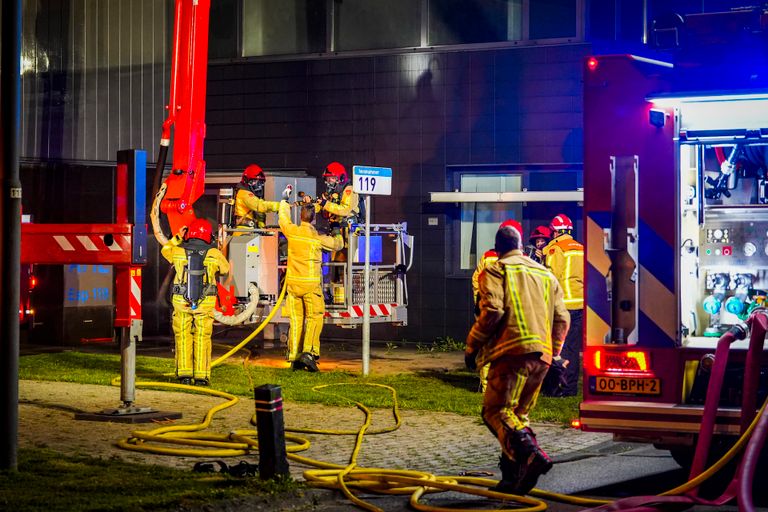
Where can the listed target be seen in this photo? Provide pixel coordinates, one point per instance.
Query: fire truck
(257, 257)
(676, 216)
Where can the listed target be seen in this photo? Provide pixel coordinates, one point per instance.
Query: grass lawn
(453, 391)
(47, 480)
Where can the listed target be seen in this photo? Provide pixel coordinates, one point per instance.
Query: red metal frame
(186, 112)
(52, 244)
(101, 244)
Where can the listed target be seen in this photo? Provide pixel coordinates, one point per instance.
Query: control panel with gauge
(736, 244)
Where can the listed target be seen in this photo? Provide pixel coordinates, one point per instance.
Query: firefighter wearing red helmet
(197, 262)
(565, 258)
(537, 240)
(340, 204)
(250, 206)
(339, 201)
(486, 260)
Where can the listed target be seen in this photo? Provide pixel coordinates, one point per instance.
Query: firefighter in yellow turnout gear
(194, 297)
(340, 201)
(304, 299)
(489, 257)
(564, 256)
(250, 205)
(521, 327)
(340, 204)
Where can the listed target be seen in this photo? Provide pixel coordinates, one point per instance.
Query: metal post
(366, 282)
(273, 458)
(127, 367)
(10, 227)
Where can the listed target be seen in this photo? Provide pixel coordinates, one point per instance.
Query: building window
(223, 31)
(480, 221)
(552, 19)
(277, 27)
(373, 24)
(474, 21)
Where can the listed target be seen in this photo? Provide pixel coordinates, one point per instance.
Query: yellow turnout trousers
(192, 330)
(514, 382)
(305, 309)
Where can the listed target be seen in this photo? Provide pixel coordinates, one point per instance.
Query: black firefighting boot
(511, 473)
(535, 461)
(307, 360)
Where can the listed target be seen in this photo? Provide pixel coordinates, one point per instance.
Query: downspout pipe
(10, 227)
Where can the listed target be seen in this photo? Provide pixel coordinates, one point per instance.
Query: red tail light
(614, 361)
(32, 282)
(592, 63)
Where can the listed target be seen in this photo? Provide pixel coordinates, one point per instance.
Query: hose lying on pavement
(191, 441)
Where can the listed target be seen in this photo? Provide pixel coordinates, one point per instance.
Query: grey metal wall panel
(415, 113)
(94, 79)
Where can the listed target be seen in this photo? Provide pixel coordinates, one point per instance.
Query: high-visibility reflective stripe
(567, 277)
(295, 328)
(547, 319)
(516, 303)
(514, 399)
(301, 279)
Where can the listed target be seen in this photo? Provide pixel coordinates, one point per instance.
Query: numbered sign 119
(376, 181)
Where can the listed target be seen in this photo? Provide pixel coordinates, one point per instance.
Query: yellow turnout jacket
(564, 256)
(521, 311)
(344, 206)
(214, 262)
(247, 206)
(305, 248)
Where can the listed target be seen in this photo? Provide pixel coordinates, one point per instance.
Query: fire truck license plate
(628, 385)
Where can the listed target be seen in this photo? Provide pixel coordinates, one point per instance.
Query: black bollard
(273, 460)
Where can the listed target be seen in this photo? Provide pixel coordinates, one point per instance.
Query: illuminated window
(277, 27)
(480, 221)
(371, 25)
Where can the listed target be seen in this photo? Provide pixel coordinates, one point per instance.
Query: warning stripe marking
(87, 243)
(63, 243)
(357, 311)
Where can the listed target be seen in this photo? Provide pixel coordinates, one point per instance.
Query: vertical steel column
(130, 207)
(10, 227)
(366, 285)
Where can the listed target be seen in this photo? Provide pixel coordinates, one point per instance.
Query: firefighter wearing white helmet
(564, 256)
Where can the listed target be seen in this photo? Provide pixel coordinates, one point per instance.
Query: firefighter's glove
(470, 359)
(287, 192)
(322, 200)
(335, 228)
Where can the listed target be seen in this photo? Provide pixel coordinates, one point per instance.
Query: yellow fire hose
(189, 440)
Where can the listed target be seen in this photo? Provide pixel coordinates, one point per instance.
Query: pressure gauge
(718, 234)
(749, 249)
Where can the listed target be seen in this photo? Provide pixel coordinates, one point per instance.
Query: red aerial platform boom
(186, 114)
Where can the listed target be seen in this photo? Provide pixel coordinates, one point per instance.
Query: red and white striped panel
(135, 297)
(91, 243)
(357, 311)
(76, 243)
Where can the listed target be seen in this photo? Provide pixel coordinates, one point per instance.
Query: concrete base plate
(129, 415)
